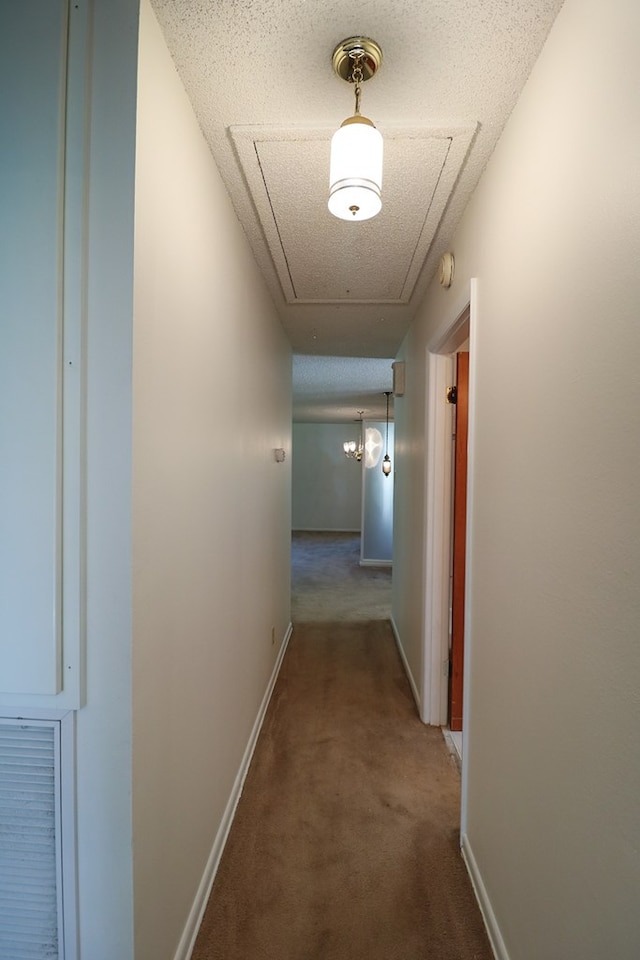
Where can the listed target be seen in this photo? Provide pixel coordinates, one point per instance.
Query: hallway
(345, 842)
(328, 583)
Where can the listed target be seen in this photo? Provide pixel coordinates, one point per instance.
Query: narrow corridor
(345, 843)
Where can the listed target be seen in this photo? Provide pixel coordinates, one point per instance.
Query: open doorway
(458, 542)
(444, 653)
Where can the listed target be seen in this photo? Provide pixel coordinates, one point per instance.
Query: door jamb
(439, 506)
(437, 542)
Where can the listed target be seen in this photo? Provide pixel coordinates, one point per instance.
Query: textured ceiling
(259, 75)
(327, 389)
(327, 266)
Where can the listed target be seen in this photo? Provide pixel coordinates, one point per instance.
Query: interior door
(459, 543)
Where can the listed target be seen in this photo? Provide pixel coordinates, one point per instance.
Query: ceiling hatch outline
(321, 260)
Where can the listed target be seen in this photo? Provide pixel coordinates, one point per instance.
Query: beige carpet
(328, 583)
(345, 841)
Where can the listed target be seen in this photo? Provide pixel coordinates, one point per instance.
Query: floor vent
(30, 842)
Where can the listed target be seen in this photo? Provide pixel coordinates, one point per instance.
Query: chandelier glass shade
(353, 449)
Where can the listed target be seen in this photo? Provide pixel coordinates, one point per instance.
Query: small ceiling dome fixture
(447, 270)
(355, 175)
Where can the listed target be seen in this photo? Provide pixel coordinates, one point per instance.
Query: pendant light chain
(357, 77)
(386, 443)
(386, 463)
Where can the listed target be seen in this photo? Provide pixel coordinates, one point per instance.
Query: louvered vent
(29, 840)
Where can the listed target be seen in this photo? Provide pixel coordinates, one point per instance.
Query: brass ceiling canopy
(360, 50)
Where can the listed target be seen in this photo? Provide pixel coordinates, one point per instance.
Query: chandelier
(355, 448)
(355, 173)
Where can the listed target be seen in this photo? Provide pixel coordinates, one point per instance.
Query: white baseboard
(489, 917)
(376, 563)
(324, 530)
(407, 668)
(190, 932)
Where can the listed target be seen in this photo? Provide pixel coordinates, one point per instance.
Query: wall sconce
(355, 174)
(386, 463)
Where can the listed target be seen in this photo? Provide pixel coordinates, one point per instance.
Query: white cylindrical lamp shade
(355, 172)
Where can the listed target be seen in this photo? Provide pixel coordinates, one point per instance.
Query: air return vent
(30, 841)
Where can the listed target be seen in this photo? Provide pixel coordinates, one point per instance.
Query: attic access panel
(319, 259)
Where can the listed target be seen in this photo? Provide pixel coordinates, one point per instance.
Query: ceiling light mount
(355, 49)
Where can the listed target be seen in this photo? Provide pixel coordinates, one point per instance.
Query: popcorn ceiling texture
(286, 170)
(327, 389)
(264, 64)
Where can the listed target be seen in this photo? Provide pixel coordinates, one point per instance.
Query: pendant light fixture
(386, 463)
(355, 448)
(355, 174)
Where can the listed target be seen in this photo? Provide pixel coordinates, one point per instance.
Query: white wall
(104, 724)
(326, 485)
(377, 496)
(408, 584)
(552, 236)
(211, 507)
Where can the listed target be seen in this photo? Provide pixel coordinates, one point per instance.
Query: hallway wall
(211, 506)
(326, 486)
(103, 725)
(553, 237)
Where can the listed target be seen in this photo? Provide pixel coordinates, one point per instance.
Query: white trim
(486, 909)
(471, 472)
(453, 740)
(323, 530)
(435, 652)
(69, 844)
(407, 668)
(74, 370)
(438, 507)
(192, 926)
(32, 713)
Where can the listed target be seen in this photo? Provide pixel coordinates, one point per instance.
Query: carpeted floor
(328, 583)
(345, 840)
